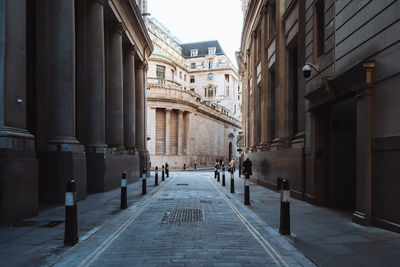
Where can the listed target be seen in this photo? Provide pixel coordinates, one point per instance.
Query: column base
(59, 166)
(361, 218)
(19, 185)
(264, 146)
(105, 169)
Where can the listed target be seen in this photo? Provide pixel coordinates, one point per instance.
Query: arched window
(210, 91)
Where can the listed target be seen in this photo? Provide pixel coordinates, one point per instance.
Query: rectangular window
(192, 89)
(194, 52)
(211, 64)
(210, 77)
(258, 36)
(319, 29)
(271, 19)
(160, 73)
(172, 75)
(211, 50)
(293, 90)
(192, 79)
(193, 65)
(184, 77)
(180, 75)
(272, 110)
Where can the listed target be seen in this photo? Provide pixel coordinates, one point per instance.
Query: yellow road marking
(264, 243)
(92, 257)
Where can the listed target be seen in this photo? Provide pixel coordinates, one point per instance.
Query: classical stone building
(72, 99)
(192, 97)
(334, 133)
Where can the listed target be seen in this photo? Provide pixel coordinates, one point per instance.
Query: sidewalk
(38, 241)
(328, 237)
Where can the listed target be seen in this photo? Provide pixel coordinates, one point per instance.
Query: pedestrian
(247, 168)
(233, 164)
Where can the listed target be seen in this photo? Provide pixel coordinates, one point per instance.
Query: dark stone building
(334, 133)
(72, 99)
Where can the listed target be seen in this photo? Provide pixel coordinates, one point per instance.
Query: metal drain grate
(183, 215)
(181, 184)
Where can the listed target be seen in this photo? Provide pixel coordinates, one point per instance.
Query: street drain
(52, 224)
(166, 199)
(47, 224)
(181, 184)
(183, 215)
(206, 201)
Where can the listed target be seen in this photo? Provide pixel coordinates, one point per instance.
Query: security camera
(307, 69)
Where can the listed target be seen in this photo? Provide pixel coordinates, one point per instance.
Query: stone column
(363, 213)
(180, 132)
(140, 111)
(114, 89)
(188, 134)
(265, 88)
(60, 73)
(255, 97)
(129, 97)
(94, 67)
(167, 131)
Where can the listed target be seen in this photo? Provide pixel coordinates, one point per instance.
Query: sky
(202, 20)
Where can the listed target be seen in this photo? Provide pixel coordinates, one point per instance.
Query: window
(211, 64)
(210, 76)
(194, 52)
(192, 89)
(192, 79)
(319, 29)
(184, 77)
(172, 75)
(271, 19)
(160, 73)
(211, 50)
(193, 65)
(227, 78)
(180, 75)
(210, 91)
(227, 91)
(258, 36)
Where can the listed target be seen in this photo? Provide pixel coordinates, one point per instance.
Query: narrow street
(213, 229)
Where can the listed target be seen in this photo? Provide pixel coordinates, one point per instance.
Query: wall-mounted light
(307, 69)
(20, 101)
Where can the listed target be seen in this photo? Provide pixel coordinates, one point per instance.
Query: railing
(164, 82)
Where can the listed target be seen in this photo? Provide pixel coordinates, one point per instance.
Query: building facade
(72, 99)
(319, 98)
(192, 97)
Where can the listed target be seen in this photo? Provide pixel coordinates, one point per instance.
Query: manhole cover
(183, 215)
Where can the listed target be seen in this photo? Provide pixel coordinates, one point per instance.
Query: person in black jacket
(247, 168)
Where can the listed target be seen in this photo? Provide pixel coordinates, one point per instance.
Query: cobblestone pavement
(188, 221)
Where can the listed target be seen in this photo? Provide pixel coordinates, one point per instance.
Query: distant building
(333, 132)
(193, 101)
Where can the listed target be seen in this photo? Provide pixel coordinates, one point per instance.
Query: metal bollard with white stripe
(284, 228)
(124, 198)
(156, 177)
(71, 215)
(223, 175)
(232, 181)
(144, 182)
(219, 173)
(246, 188)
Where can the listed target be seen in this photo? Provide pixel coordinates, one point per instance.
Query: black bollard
(144, 184)
(223, 175)
(163, 174)
(247, 189)
(215, 172)
(167, 169)
(124, 199)
(219, 173)
(195, 166)
(184, 166)
(156, 176)
(232, 182)
(240, 170)
(71, 215)
(284, 228)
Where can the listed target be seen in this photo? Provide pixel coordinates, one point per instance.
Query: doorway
(335, 155)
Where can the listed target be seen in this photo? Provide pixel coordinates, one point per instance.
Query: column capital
(248, 52)
(141, 65)
(131, 48)
(100, 1)
(168, 109)
(117, 27)
(180, 111)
